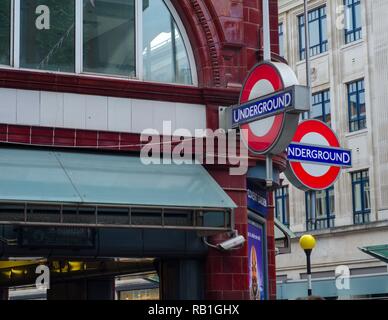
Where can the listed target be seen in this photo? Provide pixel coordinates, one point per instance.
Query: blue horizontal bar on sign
(262, 107)
(319, 154)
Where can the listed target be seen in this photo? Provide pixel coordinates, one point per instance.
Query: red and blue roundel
(315, 157)
(263, 136)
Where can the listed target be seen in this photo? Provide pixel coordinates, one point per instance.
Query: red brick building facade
(226, 37)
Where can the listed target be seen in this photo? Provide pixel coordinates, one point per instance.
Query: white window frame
(16, 33)
(15, 43)
(139, 39)
(79, 12)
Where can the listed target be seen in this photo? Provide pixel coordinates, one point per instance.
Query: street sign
(257, 199)
(269, 107)
(315, 157)
(317, 154)
(292, 99)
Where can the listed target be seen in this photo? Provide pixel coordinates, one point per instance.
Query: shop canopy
(63, 188)
(379, 252)
(87, 178)
(283, 236)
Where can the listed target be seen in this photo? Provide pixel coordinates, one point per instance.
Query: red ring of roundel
(270, 73)
(305, 178)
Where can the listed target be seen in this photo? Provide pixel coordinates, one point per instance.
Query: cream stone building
(349, 68)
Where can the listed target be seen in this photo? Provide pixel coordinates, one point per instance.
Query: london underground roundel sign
(314, 157)
(272, 134)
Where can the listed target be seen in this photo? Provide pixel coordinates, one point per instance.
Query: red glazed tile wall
(271, 248)
(227, 273)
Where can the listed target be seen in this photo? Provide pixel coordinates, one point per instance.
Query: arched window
(165, 56)
(137, 39)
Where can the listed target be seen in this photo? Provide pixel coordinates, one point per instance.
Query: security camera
(232, 243)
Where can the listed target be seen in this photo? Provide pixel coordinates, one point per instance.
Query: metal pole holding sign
(270, 105)
(267, 57)
(307, 47)
(266, 32)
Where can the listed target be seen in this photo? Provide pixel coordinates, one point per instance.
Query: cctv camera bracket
(233, 234)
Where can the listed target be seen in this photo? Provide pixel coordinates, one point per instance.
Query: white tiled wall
(119, 114)
(8, 105)
(74, 112)
(66, 110)
(96, 113)
(52, 109)
(27, 107)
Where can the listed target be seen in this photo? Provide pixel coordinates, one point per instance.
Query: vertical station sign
(315, 157)
(257, 199)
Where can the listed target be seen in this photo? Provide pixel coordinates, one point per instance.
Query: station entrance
(74, 274)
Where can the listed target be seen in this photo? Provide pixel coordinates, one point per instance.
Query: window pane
(362, 105)
(310, 205)
(109, 37)
(327, 112)
(279, 209)
(357, 198)
(316, 111)
(353, 107)
(353, 30)
(324, 29)
(349, 18)
(314, 33)
(331, 201)
(367, 196)
(287, 211)
(320, 204)
(317, 32)
(164, 54)
(302, 39)
(5, 43)
(357, 16)
(181, 60)
(47, 37)
(357, 106)
(281, 40)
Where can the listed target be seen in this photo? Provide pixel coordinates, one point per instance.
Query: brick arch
(204, 32)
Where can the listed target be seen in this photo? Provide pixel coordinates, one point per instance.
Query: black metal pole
(308, 257)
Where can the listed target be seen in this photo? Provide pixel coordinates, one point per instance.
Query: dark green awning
(379, 252)
(82, 189)
(32, 175)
